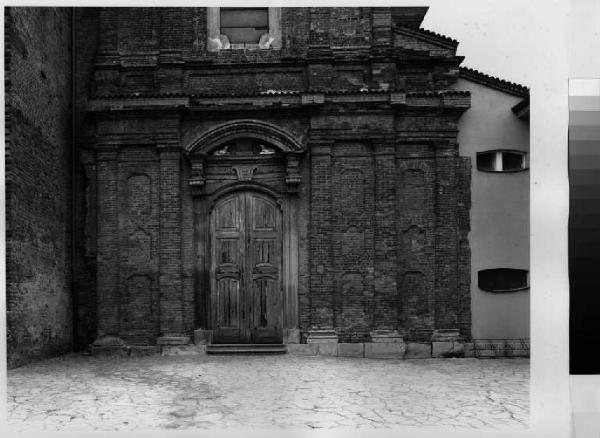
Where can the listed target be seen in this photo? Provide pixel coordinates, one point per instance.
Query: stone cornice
(138, 102)
(274, 60)
(278, 99)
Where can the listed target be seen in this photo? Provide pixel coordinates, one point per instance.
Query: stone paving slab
(76, 392)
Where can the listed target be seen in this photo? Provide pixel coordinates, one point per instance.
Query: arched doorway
(245, 179)
(246, 295)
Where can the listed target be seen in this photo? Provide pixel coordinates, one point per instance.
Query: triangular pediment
(424, 40)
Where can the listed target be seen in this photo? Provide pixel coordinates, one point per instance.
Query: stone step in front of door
(246, 349)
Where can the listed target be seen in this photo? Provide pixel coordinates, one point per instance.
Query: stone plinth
(445, 335)
(326, 348)
(415, 350)
(447, 349)
(202, 336)
(387, 344)
(385, 350)
(386, 336)
(351, 350)
(291, 336)
(322, 337)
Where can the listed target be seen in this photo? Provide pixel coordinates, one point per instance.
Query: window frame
(514, 289)
(214, 36)
(498, 154)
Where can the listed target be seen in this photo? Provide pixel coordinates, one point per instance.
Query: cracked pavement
(76, 392)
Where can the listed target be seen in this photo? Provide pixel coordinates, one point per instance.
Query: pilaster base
(445, 335)
(322, 337)
(291, 336)
(386, 336)
(202, 336)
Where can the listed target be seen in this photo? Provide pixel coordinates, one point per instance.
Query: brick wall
(38, 182)
(383, 203)
(143, 50)
(352, 237)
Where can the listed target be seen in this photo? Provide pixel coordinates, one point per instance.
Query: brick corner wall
(38, 183)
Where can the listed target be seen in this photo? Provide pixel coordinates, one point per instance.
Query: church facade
(277, 176)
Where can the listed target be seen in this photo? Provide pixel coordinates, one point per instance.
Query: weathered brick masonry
(373, 195)
(38, 182)
(328, 166)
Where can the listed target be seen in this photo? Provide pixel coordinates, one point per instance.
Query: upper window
(503, 280)
(501, 161)
(244, 25)
(243, 28)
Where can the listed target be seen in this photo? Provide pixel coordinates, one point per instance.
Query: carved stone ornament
(222, 151)
(293, 177)
(245, 173)
(197, 179)
(219, 43)
(265, 41)
(266, 150)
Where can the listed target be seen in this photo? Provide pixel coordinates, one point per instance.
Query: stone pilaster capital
(384, 146)
(107, 153)
(320, 147)
(169, 150)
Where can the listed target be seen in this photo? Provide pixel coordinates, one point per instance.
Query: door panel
(246, 270)
(226, 270)
(266, 313)
(265, 268)
(228, 314)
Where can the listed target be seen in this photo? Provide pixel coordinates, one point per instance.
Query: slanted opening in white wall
(501, 161)
(503, 280)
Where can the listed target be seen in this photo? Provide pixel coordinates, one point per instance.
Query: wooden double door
(246, 269)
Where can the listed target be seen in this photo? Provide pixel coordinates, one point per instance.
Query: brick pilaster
(109, 23)
(319, 26)
(321, 264)
(464, 253)
(386, 291)
(171, 300)
(446, 238)
(382, 26)
(108, 297)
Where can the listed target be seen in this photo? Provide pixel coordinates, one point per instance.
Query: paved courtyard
(76, 392)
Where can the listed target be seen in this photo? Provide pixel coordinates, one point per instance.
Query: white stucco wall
(499, 236)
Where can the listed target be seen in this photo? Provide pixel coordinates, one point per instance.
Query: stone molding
(258, 129)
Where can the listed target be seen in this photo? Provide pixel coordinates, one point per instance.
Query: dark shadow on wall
(38, 111)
